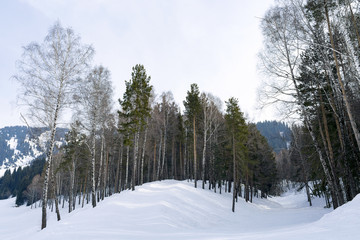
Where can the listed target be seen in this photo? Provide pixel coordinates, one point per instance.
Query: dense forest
(147, 139)
(311, 60)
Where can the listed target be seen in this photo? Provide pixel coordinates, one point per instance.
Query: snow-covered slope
(19, 145)
(176, 210)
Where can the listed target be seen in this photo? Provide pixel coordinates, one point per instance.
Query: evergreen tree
(238, 132)
(192, 110)
(135, 108)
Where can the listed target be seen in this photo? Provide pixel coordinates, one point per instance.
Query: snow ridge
(176, 210)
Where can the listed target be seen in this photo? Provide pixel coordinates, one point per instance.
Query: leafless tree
(49, 75)
(94, 107)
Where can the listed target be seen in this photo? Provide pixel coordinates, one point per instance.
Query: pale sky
(213, 43)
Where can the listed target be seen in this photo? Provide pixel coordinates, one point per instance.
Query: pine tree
(135, 108)
(192, 110)
(238, 132)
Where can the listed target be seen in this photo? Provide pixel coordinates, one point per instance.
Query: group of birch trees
(311, 57)
(147, 139)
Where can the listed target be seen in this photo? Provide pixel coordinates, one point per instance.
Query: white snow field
(176, 210)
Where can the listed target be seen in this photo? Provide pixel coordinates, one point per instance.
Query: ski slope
(176, 210)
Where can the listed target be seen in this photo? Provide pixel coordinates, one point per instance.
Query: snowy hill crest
(19, 145)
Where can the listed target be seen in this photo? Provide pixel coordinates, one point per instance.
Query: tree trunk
(344, 95)
(72, 183)
(234, 172)
(84, 193)
(163, 153)
(127, 167)
(47, 170)
(142, 158)
(101, 165)
(53, 182)
(181, 163)
(136, 149)
(195, 162)
(159, 158)
(204, 151)
(118, 170)
(106, 167)
(154, 163)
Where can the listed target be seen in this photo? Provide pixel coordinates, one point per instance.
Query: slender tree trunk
(53, 182)
(186, 176)
(195, 162)
(354, 22)
(173, 159)
(136, 149)
(163, 153)
(344, 95)
(142, 158)
(127, 167)
(118, 170)
(154, 163)
(93, 189)
(234, 172)
(101, 165)
(72, 183)
(84, 191)
(159, 158)
(333, 166)
(204, 151)
(105, 175)
(181, 163)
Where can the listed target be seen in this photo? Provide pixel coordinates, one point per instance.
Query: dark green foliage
(135, 106)
(192, 103)
(277, 134)
(261, 162)
(14, 184)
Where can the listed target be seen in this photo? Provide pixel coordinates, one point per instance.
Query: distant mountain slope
(19, 145)
(278, 134)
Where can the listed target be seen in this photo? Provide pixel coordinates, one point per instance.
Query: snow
(176, 210)
(12, 143)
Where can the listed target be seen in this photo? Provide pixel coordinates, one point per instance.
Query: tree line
(311, 60)
(147, 139)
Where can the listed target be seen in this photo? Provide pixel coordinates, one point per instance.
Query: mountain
(278, 134)
(20, 145)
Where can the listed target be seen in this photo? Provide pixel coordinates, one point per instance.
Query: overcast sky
(213, 43)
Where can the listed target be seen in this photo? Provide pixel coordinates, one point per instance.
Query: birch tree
(49, 75)
(95, 103)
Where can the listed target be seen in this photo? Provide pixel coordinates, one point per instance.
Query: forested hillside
(23, 183)
(277, 134)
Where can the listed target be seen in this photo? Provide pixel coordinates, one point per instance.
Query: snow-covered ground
(176, 210)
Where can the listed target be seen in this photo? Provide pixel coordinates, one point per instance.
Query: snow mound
(176, 210)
